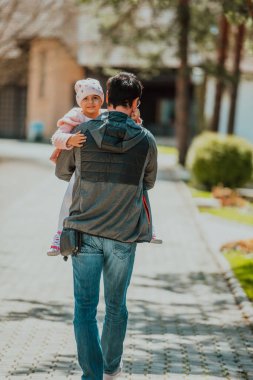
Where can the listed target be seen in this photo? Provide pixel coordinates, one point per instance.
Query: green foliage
(150, 27)
(216, 159)
(237, 11)
(196, 193)
(204, 33)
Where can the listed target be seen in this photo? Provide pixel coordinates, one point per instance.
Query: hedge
(216, 159)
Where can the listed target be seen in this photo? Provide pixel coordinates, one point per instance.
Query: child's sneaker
(54, 249)
(155, 239)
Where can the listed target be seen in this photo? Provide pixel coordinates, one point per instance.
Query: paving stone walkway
(184, 322)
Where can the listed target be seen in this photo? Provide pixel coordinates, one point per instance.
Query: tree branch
(25, 20)
(8, 15)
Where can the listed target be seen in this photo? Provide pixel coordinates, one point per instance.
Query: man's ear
(106, 97)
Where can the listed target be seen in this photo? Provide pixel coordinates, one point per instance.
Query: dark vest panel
(99, 165)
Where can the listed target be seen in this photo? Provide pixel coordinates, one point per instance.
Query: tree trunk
(182, 82)
(200, 93)
(250, 8)
(239, 37)
(222, 53)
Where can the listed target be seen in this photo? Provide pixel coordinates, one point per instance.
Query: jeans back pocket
(123, 250)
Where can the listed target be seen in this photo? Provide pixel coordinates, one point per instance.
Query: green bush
(215, 159)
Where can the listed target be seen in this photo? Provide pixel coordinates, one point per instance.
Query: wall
(244, 119)
(244, 110)
(52, 73)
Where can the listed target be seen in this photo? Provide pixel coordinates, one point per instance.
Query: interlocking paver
(184, 322)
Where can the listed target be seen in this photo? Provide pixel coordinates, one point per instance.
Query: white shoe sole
(156, 241)
(53, 253)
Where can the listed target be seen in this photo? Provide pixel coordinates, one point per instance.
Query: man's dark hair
(122, 89)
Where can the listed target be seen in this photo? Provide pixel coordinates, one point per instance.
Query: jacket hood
(118, 132)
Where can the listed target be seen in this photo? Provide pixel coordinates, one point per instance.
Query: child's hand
(77, 140)
(135, 115)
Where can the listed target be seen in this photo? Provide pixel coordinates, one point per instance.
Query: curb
(239, 294)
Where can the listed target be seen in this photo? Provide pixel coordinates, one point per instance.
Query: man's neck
(127, 111)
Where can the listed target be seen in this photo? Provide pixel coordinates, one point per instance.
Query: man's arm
(151, 168)
(65, 165)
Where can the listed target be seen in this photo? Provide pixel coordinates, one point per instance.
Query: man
(113, 170)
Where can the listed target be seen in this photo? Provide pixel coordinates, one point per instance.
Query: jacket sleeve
(72, 118)
(151, 167)
(65, 126)
(65, 165)
(60, 138)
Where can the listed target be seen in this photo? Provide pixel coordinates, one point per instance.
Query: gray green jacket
(113, 170)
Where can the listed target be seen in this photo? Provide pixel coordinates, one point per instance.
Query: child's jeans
(66, 203)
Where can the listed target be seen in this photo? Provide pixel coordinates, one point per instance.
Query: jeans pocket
(90, 245)
(122, 250)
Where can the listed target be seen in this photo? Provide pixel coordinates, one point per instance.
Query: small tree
(182, 82)
(221, 59)
(238, 13)
(239, 38)
(123, 26)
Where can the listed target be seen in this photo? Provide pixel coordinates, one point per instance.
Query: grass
(240, 262)
(235, 214)
(167, 150)
(242, 265)
(200, 193)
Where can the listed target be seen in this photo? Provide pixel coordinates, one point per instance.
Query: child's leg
(154, 239)
(66, 203)
(54, 249)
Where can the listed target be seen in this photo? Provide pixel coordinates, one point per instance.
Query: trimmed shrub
(215, 159)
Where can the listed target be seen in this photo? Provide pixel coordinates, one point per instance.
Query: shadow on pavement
(66, 364)
(51, 311)
(176, 326)
(180, 282)
(188, 325)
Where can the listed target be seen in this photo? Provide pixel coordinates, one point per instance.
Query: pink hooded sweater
(65, 125)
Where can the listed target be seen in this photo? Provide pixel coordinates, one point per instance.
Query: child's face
(91, 106)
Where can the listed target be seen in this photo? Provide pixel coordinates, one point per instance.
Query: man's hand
(77, 140)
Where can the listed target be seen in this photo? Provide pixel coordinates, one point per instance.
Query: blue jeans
(115, 260)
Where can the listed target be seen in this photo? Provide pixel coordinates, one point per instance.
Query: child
(89, 97)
